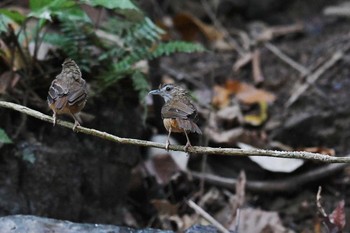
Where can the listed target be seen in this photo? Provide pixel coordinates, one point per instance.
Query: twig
(286, 59)
(286, 185)
(218, 24)
(193, 150)
(314, 76)
(238, 218)
(318, 203)
(207, 216)
(257, 73)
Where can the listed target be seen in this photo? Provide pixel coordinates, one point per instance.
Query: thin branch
(191, 150)
(312, 78)
(282, 185)
(207, 216)
(318, 203)
(286, 59)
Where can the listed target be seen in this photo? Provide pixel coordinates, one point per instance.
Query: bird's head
(168, 91)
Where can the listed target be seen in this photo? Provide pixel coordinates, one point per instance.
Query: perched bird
(178, 112)
(68, 92)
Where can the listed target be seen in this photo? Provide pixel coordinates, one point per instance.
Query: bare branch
(312, 78)
(207, 216)
(192, 150)
(303, 71)
(281, 185)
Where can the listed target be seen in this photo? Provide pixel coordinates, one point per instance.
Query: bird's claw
(167, 144)
(188, 144)
(76, 123)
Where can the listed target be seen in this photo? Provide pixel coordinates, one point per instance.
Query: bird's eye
(168, 88)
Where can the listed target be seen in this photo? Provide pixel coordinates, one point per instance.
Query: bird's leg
(188, 143)
(167, 144)
(76, 122)
(54, 118)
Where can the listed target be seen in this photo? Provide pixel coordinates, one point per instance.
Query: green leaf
(38, 4)
(4, 138)
(14, 15)
(4, 22)
(41, 14)
(140, 84)
(121, 4)
(67, 9)
(124, 7)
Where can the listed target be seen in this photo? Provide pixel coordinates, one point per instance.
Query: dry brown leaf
(164, 207)
(191, 28)
(337, 217)
(221, 97)
(248, 94)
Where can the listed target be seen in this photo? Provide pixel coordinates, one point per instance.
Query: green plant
(114, 45)
(3, 137)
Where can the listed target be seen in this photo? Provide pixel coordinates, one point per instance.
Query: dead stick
(303, 71)
(311, 79)
(207, 216)
(277, 185)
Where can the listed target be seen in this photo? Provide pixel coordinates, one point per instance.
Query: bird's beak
(154, 92)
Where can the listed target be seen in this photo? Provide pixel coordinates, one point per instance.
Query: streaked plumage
(68, 92)
(178, 112)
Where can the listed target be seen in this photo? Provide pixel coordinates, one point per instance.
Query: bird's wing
(57, 92)
(178, 109)
(77, 92)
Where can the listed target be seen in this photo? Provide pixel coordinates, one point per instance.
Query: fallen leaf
(248, 94)
(221, 97)
(274, 164)
(190, 26)
(257, 119)
(337, 217)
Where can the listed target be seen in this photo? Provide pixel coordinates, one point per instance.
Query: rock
(28, 224)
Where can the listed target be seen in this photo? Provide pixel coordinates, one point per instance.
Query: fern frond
(124, 67)
(165, 49)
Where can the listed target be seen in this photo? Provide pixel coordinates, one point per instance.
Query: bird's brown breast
(172, 124)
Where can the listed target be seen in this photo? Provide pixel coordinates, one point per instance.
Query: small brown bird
(68, 92)
(178, 112)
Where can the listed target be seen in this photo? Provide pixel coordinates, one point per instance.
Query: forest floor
(275, 75)
(279, 81)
